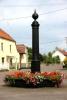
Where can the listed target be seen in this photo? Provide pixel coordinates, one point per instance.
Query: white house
(9, 52)
(61, 53)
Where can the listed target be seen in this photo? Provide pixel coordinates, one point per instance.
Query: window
(10, 48)
(2, 46)
(11, 61)
(2, 60)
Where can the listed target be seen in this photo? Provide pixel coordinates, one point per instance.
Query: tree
(57, 59)
(29, 54)
(45, 58)
(41, 57)
(48, 59)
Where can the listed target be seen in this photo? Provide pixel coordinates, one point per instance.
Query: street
(14, 93)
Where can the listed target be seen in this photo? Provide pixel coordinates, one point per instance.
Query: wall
(24, 60)
(61, 56)
(6, 52)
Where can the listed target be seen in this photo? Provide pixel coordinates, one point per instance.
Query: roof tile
(21, 48)
(6, 36)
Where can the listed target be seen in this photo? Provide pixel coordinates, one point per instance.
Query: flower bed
(28, 79)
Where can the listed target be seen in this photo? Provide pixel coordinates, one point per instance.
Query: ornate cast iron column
(35, 64)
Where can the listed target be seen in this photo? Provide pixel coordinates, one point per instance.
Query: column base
(35, 66)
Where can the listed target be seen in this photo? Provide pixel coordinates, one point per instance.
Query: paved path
(13, 93)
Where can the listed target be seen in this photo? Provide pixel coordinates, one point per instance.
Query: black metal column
(35, 64)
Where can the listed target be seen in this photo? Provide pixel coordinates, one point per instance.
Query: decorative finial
(35, 15)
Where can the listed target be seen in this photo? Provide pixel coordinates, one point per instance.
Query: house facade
(23, 55)
(9, 55)
(61, 53)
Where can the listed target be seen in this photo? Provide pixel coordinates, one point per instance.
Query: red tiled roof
(21, 48)
(6, 36)
(62, 51)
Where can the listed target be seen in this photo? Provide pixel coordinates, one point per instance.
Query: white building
(10, 55)
(61, 53)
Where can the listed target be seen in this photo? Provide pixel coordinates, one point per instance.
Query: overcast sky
(15, 18)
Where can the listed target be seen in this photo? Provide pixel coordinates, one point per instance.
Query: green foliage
(49, 56)
(29, 54)
(56, 59)
(47, 59)
(41, 57)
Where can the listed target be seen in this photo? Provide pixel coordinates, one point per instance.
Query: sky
(16, 20)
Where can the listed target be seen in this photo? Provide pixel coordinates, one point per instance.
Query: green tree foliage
(47, 59)
(49, 56)
(29, 54)
(41, 57)
(56, 59)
